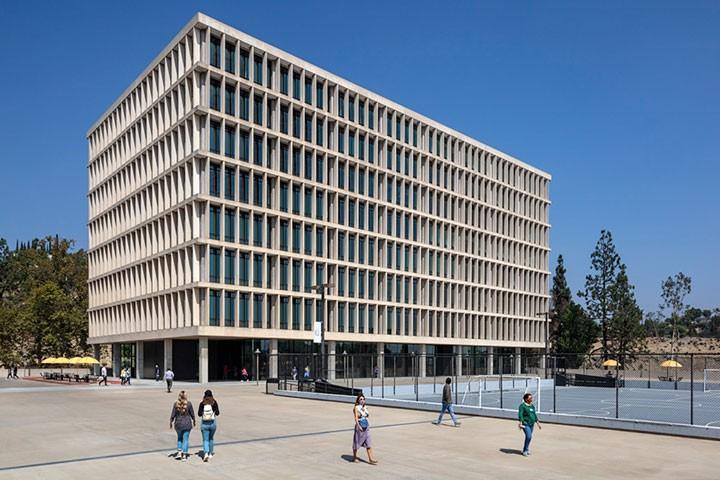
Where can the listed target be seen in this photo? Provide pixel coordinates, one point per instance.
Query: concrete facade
(231, 177)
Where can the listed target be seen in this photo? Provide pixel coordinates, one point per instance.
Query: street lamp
(257, 366)
(545, 361)
(322, 288)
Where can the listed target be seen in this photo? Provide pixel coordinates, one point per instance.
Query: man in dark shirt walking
(447, 404)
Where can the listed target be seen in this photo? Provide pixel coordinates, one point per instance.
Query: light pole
(321, 288)
(545, 360)
(257, 366)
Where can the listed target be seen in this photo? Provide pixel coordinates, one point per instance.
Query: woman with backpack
(184, 418)
(361, 435)
(207, 411)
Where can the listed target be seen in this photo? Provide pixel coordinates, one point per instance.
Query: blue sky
(619, 101)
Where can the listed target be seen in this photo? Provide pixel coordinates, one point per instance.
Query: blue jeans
(528, 429)
(208, 433)
(183, 437)
(449, 408)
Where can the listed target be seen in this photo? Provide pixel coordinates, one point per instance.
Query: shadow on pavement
(511, 451)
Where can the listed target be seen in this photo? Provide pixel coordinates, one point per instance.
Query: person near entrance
(157, 372)
(169, 377)
(103, 376)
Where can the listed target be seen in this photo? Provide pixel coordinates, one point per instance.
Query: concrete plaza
(70, 432)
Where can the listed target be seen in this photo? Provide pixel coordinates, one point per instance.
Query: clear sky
(619, 101)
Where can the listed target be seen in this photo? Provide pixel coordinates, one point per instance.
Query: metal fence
(683, 389)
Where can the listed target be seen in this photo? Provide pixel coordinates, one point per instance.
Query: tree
(578, 332)
(560, 298)
(625, 332)
(674, 291)
(605, 263)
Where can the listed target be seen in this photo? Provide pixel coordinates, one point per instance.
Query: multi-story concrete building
(231, 178)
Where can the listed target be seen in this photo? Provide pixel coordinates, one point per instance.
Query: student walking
(208, 410)
(15, 375)
(528, 419)
(103, 376)
(128, 375)
(169, 377)
(123, 375)
(447, 405)
(183, 417)
(157, 373)
(361, 435)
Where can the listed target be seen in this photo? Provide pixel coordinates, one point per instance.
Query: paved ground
(122, 432)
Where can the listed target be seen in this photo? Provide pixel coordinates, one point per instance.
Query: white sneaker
(212, 455)
(178, 455)
(206, 457)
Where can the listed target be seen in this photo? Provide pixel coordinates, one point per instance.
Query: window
(244, 228)
(214, 179)
(284, 235)
(258, 70)
(296, 86)
(308, 128)
(215, 51)
(244, 110)
(214, 222)
(257, 189)
(229, 309)
(351, 144)
(371, 184)
(284, 119)
(230, 225)
(296, 275)
(284, 196)
(243, 310)
(308, 240)
(283, 274)
(244, 146)
(308, 202)
(244, 186)
(341, 140)
(296, 237)
(258, 153)
(230, 267)
(284, 81)
(230, 99)
(351, 213)
(257, 270)
(351, 109)
(371, 151)
(351, 282)
(296, 199)
(296, 124)
(230, 183)
(361, 147)
(258, 107)
(296, 162)
(308, 91)
(341, 175)
(351, 248)
(284, 161)
(319, 132)
(319, 241)
(361, 112)
(341, 211)
(214, 317)
(257, 230)
(371, 251)
(319, 205)
(214, 275)
(215, 95)
(371, 117)
(341, 105)
(341, 246)
(244, 64)
(341, 317)
(319, 94)
(319, 169)
(371, 218)
(308, 314)
(243, 268)
(229, 57)
(361, 215)
(230, 142)
(257, 311)
(215, 137)
(296, 314)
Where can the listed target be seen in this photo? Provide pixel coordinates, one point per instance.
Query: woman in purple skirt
(361, 435)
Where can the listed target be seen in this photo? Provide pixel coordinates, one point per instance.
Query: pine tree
(605, 263)
(674, 291)
(560, 300)
(578, 334)
(625, 332)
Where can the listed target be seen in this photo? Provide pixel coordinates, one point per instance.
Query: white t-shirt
(103, 372)
(169, 375)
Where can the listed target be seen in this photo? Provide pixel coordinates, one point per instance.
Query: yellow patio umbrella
(75, 361)
(89, 361)
(49, 361)
(61, 361)
(671, 364)
(668, 364)
(610, 363)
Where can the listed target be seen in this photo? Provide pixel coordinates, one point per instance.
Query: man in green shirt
(528, 419)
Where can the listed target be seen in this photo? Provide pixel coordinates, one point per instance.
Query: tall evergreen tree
(577, 335)
(674, 291)
(605, 263)
(560, 299)
(625, 332)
